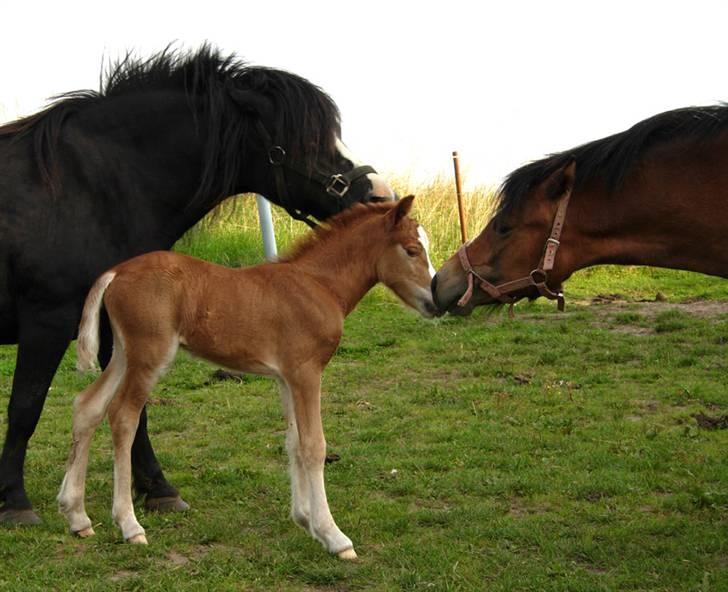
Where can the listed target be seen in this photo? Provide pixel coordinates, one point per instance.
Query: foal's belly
(234, 358)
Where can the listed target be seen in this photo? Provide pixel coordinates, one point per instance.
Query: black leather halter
(336, 184)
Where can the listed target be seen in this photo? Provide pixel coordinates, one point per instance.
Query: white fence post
(266, 228)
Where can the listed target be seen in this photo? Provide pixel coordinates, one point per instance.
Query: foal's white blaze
(426, 245)
(380, 188)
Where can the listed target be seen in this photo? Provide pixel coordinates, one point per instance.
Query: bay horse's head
(299, 157)
(514, 255)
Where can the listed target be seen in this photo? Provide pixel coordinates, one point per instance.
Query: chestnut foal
(280, 319)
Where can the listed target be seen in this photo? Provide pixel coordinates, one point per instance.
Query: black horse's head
(301, 162)
(218, 127)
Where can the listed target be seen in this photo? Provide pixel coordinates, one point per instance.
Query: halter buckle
(537, 274)
(276, 155)
(338, 185)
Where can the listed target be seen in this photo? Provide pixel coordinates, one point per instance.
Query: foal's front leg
(310, 452)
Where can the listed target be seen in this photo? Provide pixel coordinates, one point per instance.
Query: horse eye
(412, 251)
(502, 229)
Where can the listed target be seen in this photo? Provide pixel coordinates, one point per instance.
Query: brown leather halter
(536, 278)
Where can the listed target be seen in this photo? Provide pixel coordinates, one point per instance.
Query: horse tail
(87, 345)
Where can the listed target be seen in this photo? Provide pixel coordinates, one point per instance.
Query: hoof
(166, 504)
(12, 517)
(138, 539)
(347, 555)
(85, 532)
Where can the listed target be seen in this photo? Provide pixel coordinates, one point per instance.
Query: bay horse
(281, 319)
(655, 194)
(99, 177)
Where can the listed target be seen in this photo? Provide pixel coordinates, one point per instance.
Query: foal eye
(412, 251)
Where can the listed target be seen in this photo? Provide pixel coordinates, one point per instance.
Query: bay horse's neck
(663, 216)
(346, 265)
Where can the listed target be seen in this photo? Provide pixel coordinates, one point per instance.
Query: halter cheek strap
(537, 278)
(336, 185)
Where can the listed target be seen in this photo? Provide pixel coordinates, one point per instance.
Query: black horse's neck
(146, 157)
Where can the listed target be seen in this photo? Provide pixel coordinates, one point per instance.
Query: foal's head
(404, 265)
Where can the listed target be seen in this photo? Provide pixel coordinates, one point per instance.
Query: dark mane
(328, 231)
(612, 158)
(306, 119)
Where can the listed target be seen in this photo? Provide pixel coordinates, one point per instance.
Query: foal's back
(257, 319)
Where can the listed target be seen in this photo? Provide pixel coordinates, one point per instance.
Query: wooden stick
(459, 191)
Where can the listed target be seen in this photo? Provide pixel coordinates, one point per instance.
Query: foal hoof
(347, 555)
(10, 517)
(138, 539)
(166, 504)
(85, 532)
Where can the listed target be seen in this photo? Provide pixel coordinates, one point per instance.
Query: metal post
(266, 228)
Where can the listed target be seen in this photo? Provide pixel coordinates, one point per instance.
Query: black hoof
(11, 517)
(166, 504)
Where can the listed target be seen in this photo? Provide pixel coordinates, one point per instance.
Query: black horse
(99, 177)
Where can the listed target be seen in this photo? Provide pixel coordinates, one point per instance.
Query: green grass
(551, 452)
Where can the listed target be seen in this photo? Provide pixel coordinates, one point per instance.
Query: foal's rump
(139, 295)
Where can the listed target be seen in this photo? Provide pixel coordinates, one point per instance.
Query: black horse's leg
(42, 342)
(149, 479)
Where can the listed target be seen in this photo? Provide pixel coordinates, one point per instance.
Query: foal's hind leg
(124, 414)
(89, 409)
(149, 480)
(300, 495)
(305, 388)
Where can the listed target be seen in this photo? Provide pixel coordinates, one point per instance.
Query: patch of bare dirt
(718, 422)
(122, 575)
(177, 558)
(611, 303)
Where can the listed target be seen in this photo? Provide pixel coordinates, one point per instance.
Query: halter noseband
(336, 184)
(537, 278)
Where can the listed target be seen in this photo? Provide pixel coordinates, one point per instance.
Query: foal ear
(399, 211)
(561, 181)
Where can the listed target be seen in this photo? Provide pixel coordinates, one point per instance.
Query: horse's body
(98, 178)
(656, 194)
(282, 320)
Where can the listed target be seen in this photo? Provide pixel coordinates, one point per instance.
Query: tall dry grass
(231, 234)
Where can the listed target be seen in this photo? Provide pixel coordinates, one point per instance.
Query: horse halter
(336, 184)
(537, 278)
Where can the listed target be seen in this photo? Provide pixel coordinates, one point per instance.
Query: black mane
(306, 119)
(613, 157)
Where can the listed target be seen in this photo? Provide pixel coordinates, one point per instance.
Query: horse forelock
(613, 158)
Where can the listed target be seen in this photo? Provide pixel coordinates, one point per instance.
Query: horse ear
(561, 181)
(250, 101)
(400, 210)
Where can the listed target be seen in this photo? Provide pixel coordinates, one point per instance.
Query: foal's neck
(345, 265)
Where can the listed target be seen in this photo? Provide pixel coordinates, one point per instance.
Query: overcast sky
(504, 83)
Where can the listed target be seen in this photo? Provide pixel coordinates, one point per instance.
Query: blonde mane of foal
(330, 230)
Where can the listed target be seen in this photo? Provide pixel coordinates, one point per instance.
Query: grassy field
(552, 452)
